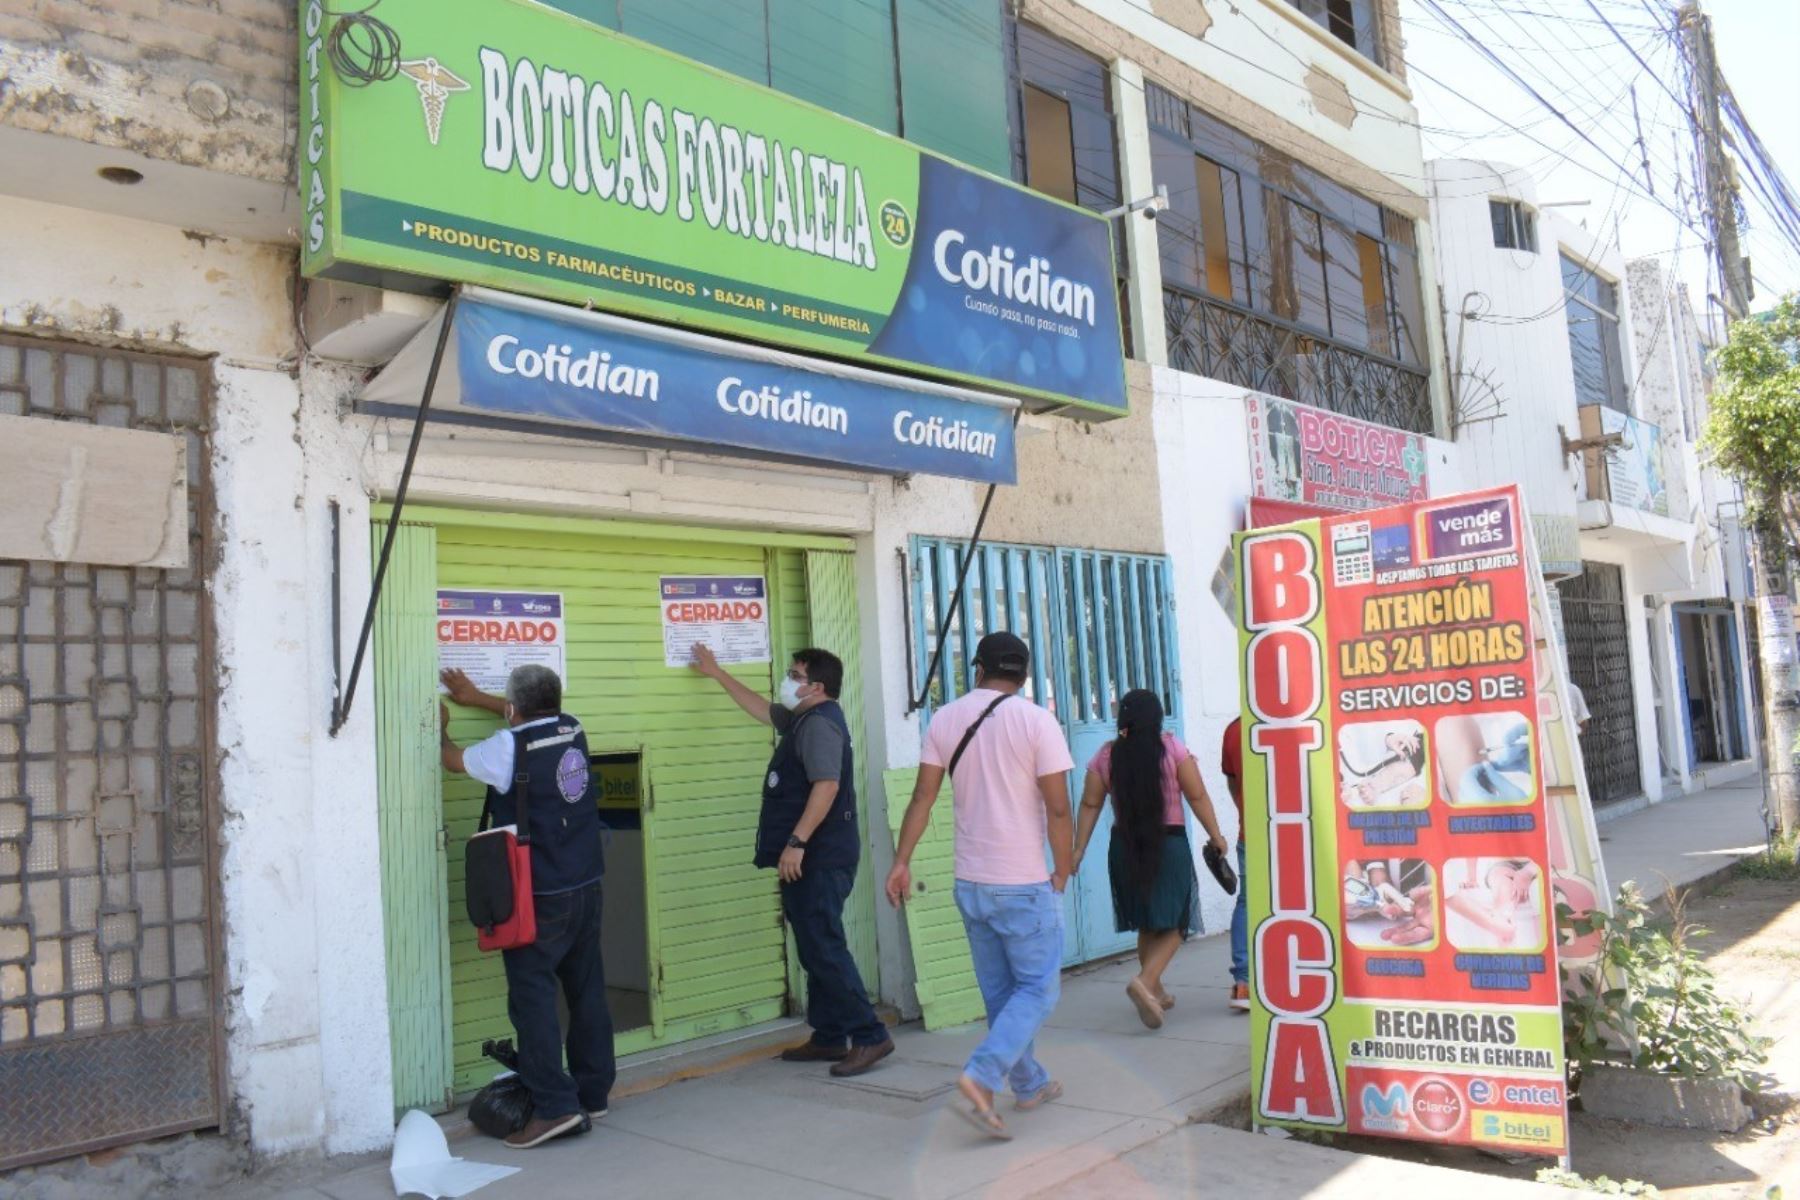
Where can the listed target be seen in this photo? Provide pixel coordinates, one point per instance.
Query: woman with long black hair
(1151, 866)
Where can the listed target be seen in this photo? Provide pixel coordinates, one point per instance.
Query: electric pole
(1780, 663)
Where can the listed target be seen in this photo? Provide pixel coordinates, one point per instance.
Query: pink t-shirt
(1174, 754)
(999, 811)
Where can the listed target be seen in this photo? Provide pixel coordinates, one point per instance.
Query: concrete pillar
(1144, 292)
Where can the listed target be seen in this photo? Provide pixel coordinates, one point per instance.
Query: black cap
(1003, 651)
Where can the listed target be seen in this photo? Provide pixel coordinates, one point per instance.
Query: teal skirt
(1172, 900)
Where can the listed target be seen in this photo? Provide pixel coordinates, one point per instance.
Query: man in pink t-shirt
(1008, 766)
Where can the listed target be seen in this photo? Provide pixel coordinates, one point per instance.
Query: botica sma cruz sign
(520, 147)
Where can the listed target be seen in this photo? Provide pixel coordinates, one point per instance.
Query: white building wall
(1203, 460)
(1507, 343)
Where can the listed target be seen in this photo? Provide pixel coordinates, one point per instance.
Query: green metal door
(716, 942)
(410, 817)
(832, 612)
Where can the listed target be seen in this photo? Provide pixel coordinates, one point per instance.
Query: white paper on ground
(422, 1164)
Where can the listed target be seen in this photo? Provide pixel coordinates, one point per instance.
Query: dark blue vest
(785, 790)
(561, 801)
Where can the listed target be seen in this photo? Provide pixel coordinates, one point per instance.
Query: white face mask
(789, 694)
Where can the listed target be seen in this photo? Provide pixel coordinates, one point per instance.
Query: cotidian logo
(1295, 951)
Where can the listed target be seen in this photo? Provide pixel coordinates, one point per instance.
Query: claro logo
(1295, 952)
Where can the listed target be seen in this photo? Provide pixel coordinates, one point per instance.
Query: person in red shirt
(1231, 762)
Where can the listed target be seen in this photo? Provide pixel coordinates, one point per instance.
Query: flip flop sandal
(985, 1119)
(1149, 1011)
(1044, 1095)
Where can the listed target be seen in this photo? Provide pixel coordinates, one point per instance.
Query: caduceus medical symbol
(435, 83)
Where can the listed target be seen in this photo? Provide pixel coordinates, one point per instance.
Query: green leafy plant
(1753, 423)
(1557, 1177)
(1651, 1001)
(1779, 862)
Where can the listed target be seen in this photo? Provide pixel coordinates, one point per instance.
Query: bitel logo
(435, 82)
(1437, 1107)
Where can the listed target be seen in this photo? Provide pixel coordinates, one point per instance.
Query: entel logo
(1436, 1107)
(1480, 1091)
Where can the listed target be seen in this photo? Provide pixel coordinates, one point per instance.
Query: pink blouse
(1174, 754)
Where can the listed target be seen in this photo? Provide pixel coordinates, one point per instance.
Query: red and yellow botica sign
(1404, 970)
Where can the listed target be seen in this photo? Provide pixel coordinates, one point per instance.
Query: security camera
(1148, 207)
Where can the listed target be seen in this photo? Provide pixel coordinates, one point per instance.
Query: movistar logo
(1389, 1104)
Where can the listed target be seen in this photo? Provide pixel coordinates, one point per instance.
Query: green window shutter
(831, 601)
(410, 820)
(944, 972)
(732, 35)
(953, 80)
(843, 61)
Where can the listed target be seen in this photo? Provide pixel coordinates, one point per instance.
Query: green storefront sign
(519, 147)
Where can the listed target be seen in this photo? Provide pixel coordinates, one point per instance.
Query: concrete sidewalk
(1127, 1126)
(1684, 841)
(780, 1130)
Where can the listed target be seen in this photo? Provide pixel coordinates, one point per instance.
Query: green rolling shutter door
(716, 940)
(944, 972)
(832, 613)
(410, 816)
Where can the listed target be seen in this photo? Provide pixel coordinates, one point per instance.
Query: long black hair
(1137, 785)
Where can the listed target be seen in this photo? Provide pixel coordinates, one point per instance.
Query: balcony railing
(1221, 340)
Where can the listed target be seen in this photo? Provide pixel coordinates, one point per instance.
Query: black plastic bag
(503, 1107)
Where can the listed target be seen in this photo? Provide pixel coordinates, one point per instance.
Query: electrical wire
(362, 48)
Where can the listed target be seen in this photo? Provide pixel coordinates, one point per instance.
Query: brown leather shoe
(813, 1052)
(539, 1130)
(861, 1058)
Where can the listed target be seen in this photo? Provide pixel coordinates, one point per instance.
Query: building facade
(1584, 377)
(227, 869)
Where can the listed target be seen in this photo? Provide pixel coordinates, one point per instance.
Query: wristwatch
(794, 843)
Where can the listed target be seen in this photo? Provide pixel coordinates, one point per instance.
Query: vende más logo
(1436, 1107)
(1295, 952)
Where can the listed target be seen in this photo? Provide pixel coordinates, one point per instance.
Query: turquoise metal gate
(1099, 623)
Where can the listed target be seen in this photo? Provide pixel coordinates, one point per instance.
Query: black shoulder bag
(969, 733)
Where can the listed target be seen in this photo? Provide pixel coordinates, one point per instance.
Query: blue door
(1099, 624)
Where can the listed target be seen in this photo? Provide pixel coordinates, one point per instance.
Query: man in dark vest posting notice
(541, 757)
(808, 833)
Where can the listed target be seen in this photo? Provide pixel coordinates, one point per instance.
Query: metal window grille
(1210, 337)
(108, 1029)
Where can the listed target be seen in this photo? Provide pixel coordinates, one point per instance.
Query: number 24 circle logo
(896, 223)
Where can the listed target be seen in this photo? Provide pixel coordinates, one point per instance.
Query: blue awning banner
(521, 361)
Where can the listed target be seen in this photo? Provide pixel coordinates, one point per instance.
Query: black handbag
(1220, 868)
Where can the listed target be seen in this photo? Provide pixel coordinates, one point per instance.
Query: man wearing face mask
(542, 754)
(808, 833)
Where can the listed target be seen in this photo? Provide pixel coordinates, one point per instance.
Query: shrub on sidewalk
(1557, 1177)
(1780, 862)
(1650, 1000)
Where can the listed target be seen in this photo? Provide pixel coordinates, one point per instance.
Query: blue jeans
(567, 952)
(1015, 937)
(837, 1006)
(1240, 926)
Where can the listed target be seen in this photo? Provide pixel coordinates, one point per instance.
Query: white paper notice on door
(729, 614)
(485, 634)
